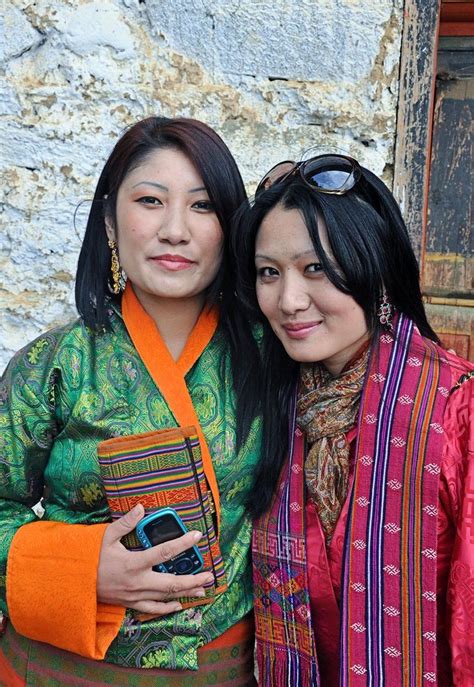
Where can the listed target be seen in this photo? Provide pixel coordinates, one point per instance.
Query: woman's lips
(300, 330)
(173, 263)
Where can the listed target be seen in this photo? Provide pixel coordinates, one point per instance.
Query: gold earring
(117, 278)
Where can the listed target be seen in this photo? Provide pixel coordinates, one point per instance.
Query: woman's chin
(301, 352)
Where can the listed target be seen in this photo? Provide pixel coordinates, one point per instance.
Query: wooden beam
(457, 19)
(457, 28)
(457, 11)
(415, 113)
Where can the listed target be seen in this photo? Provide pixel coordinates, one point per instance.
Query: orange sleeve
(51, 588)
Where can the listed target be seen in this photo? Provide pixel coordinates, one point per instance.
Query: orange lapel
(168, 374)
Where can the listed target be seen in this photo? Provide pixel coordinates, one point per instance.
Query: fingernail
(200, 594)
(197, 536)
(176, 608)
(209, 579)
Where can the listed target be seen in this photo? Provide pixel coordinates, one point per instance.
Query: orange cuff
(51, 588)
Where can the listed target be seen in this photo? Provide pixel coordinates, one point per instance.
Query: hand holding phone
(162, 526)
(126, 578)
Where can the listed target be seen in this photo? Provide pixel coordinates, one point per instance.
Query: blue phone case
(188, 562)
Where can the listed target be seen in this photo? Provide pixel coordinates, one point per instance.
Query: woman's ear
(110, 229)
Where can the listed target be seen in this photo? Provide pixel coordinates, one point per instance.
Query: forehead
(164, 162)
(285, 230)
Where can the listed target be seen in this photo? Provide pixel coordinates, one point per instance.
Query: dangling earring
(118, 281)
(385, 313)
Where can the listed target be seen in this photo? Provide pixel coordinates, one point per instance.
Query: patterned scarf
(327, 408)
(388, 587)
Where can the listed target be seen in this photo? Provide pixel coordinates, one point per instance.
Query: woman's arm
(66, 584)
(27, 430)
(47, 569)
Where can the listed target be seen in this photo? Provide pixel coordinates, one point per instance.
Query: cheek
(213, 247)
(131, 236)
(208, 247)
(356, 318)
(341, 305)
(218, 243)
(264, 300)
(129, 229)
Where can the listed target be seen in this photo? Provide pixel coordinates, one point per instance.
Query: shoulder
(455, 369)
(462, 371)
(43, 349)
(461, 394)
(458, 424)
(59, 348)
(455, 387)
(31, 374)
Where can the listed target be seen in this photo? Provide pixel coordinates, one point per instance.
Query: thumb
(127, 522)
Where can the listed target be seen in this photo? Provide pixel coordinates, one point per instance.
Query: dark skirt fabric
(26, 663)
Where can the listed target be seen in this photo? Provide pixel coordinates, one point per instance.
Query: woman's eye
(149, 200)
(267, 272)
(314, 267)
(205, 205)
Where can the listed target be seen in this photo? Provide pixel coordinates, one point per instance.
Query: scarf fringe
(282, 670)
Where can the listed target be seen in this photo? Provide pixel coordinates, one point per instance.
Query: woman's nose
(173, 227)
(293, 296)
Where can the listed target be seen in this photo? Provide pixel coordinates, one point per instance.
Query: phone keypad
(184, 564)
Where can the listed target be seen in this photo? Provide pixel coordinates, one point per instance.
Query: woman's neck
(175, 318)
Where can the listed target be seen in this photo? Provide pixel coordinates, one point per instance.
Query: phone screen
(164, 529)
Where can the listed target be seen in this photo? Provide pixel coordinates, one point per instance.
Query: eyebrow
(165, 188)
(296, 256)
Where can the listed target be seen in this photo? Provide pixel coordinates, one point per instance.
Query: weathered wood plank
(448, 275)
(451, 193)
(454, 326)
(452, 62)
(417, 75)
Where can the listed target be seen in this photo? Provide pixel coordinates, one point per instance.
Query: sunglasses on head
(334, 174)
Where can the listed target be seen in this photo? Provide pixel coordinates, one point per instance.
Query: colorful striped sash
(388, 613)
(163, 469)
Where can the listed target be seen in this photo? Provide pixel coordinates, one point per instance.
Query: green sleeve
(27, 431)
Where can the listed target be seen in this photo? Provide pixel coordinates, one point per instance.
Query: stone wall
(272, 77)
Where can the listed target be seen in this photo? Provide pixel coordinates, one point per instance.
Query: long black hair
(220, 174)
(373, 255)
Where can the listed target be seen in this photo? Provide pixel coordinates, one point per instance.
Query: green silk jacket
(69, 390)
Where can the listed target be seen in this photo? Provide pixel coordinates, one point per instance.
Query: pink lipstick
(300, 330)
(173, 263)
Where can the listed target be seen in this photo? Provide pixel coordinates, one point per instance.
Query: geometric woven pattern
(163, 469)
(389, 573)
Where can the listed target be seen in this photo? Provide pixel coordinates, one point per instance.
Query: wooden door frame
(415, 115)
(417, 81)
(424, 22)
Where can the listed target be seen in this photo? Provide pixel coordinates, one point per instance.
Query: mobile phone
(161, 526)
